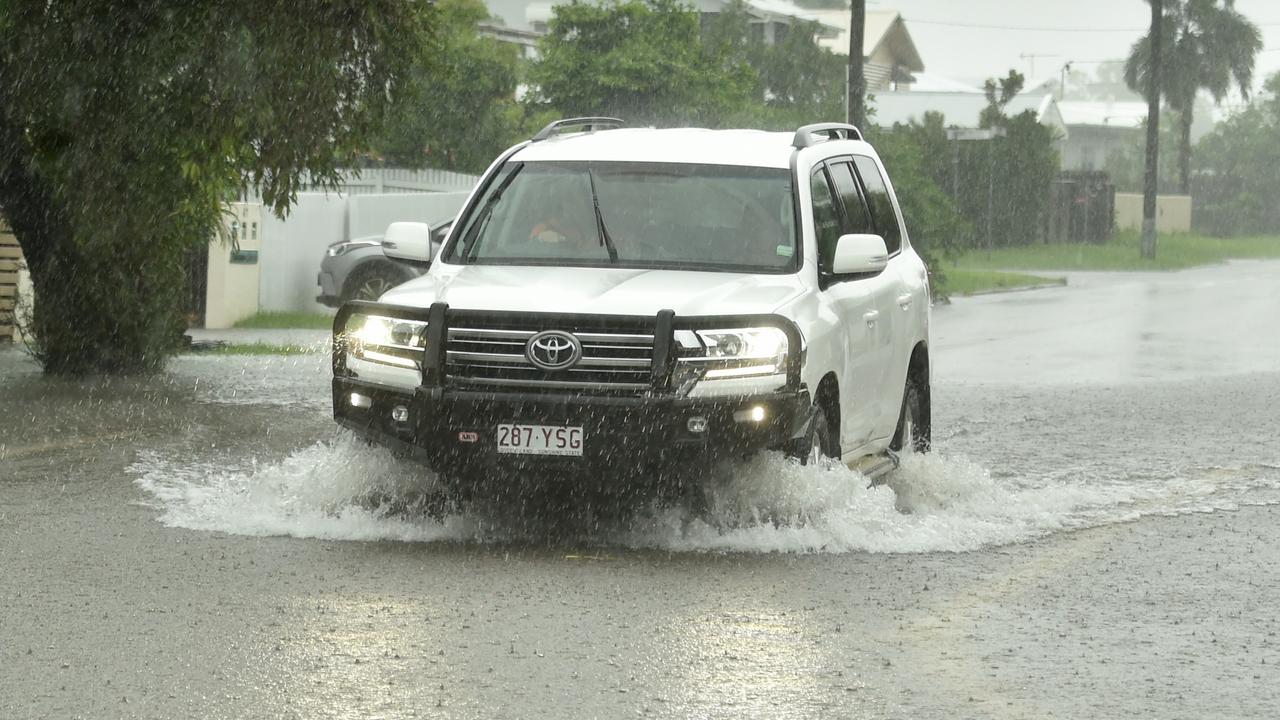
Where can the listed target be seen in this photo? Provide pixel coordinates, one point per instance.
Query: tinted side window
(881, 206)
(826, 219)
(855, 211)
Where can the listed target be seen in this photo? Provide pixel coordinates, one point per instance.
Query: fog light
(361, 401)
(697, 424)
(755, 414)
(399, 413)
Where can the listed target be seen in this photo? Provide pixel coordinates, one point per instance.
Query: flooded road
(1096, 536)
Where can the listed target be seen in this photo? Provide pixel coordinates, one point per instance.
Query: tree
(641, 60)
(457, 109)
(797, 81)
(1205, 45)
(1237, 181)
(999, 94)
(125, 126)
(1152, 88)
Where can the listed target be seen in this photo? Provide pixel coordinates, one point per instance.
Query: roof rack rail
(590, 124)
(833, 131)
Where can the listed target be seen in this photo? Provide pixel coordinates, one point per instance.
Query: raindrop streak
(345, 490)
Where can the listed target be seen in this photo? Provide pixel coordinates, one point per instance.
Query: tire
(369, 282)
(914, 430)
(818, 443)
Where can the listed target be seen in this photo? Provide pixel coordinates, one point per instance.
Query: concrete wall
(232, 287)
(371, 214)
(1173, 212)
(293, 248)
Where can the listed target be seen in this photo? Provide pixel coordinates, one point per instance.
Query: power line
(1025, 28)
(1020, 28)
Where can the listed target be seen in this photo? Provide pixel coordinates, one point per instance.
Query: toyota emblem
(553, 350)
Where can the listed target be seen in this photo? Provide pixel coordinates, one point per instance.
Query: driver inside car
(563, 229)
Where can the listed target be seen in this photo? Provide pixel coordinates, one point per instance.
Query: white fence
(365, 181)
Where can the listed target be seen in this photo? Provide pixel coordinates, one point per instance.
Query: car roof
(750, 148)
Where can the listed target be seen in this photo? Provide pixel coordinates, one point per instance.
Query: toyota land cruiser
(622, 299)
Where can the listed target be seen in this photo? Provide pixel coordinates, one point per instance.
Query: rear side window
(886, 220)
(826, 219)
(855, 211)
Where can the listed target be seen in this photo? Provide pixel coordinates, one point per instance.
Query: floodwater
(1095, 535)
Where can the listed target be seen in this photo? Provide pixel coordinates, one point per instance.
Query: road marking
(13, 453)
(935, 625)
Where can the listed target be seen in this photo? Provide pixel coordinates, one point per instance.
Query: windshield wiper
(605, 240)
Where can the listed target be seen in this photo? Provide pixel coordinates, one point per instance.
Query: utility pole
(1150, 176)
(856, 113)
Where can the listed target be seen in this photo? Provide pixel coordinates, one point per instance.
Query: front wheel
(818, 443)
(914, 432)
(372, 281)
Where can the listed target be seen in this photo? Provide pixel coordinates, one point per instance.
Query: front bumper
(453, 426)
(454, 432)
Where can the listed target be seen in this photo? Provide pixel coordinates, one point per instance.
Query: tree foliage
(125, 126)
(641, 60)
(1205, 45)
(1000, 184)
(795, 81)
(458, 108)
(1237, 184)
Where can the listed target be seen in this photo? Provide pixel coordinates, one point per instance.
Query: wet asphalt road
(1157, 598)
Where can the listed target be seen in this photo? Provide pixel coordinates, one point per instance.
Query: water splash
(344, 489)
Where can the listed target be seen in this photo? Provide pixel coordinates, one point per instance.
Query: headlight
(343, 248)
(392, 341)
(734, 353)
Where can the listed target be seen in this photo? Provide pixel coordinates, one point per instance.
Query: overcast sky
(1081, 31)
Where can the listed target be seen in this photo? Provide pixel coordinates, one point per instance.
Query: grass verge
(966, 281)
(257, 348)
(287, 321)
(1173, 252)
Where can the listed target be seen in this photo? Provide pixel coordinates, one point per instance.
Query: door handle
(871, 316)
(904, 301)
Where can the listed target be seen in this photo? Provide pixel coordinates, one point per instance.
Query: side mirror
(408, 241)
(859, 254)
(438, 235)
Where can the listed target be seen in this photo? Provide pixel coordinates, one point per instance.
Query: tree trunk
(1184, 151)
(110, 303)
(1150, 178)
(857, 110)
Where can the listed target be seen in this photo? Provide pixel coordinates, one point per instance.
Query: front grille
(492, 355)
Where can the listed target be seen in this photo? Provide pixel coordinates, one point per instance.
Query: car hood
(602, 291)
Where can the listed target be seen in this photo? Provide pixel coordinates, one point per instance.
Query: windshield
(634, 215)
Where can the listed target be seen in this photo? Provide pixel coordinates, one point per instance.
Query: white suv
(628, 300)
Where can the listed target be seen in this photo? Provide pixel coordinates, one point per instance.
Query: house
(1099, 129)
(526, 41)
(961, 109)
(891, 55)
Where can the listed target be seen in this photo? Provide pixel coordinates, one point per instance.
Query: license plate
(540, 440)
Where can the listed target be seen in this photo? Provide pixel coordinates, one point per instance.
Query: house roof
(883, 28)
(1129, 115)
(928, 82)
(959, 109)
